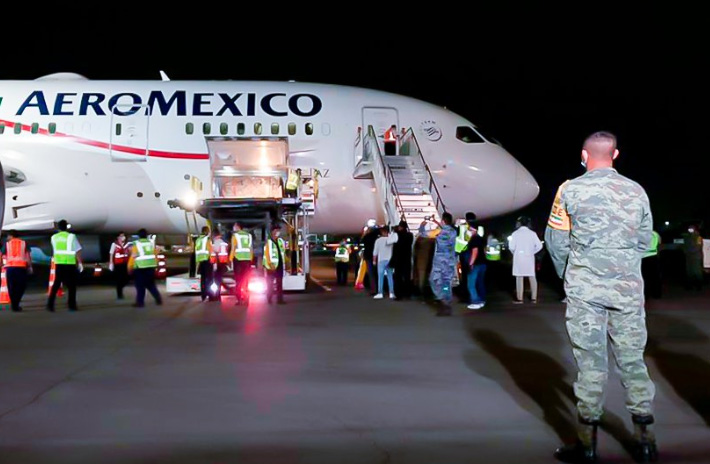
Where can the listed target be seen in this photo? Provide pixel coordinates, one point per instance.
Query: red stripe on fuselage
(107, 146)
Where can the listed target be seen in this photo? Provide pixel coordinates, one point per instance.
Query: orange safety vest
(16, 250)
(390, 135)
(120, 253)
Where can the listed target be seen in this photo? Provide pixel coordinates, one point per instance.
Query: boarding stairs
(404, 182)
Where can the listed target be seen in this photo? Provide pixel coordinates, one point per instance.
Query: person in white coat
(524, 243)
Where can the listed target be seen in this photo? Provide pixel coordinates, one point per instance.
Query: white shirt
(383, 248)
(524, 243)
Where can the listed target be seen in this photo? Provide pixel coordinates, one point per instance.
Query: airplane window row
(258, 128)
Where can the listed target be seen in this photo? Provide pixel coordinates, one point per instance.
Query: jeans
(477, 283)
(382, 269)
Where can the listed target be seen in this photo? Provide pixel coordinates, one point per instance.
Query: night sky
(539, 79)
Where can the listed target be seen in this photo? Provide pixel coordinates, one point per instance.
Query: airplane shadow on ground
(542, 379)
(688, 374)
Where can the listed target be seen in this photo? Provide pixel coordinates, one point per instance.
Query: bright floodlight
(190, 199)
(257, 286)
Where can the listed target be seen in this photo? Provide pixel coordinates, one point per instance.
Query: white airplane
(108, 155)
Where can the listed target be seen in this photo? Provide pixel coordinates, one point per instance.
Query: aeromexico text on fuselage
(176, 103)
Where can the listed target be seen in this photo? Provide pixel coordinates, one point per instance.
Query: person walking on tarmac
(342, 263)
(241, 255)
(203, 251)
(118, 263)
(18, 266)
(464, 232)
(444, 262)
(273, 263)
(143, 263)
(220, 259)
(66, 252)
(599, 228)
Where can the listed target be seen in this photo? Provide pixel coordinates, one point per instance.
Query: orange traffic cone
(52, 276)
(4, 294)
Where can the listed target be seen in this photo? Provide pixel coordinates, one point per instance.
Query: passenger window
(18, 128)
(206, 128)
(309, 129)
(241, 129)
(223, 128)
(118, 129)
(292, 128)
(189, 128)
(257, 128)
(35, 127)
(274, 128)
(52, 128)
(467, 135)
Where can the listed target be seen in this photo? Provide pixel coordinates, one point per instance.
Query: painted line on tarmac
(321, 285)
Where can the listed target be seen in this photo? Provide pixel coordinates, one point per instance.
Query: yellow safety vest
(62, 244)
(493, 252)
(462, 239)
(242, 249)
(271, 254)
(146, 254)
(342, 255)
(655, 241)
(292, 181)
(202, 251)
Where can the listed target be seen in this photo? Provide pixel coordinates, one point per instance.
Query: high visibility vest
(462, 239)
(16, 250)
(202, 248)
(145, 254)
(62, 244)
(653, 249)
(292, 181)
(493, 252)
(390, 135)
(342, 255)
(242, 246)
(120, 253)
(220, 253)
(271, 254)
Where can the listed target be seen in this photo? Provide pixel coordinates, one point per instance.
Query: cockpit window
(467, 135)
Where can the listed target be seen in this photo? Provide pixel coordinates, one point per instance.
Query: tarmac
(330, 377)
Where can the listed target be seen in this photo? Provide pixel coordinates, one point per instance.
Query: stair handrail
(433, 189)
(384, 179)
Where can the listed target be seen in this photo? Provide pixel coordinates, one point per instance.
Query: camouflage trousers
(440, 279)
(589, 326)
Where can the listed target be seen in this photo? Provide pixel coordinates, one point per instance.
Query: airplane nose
(526, 188)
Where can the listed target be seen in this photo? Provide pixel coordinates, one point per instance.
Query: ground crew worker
(66, 252)
(444, 262)
(598, 231)
(651, 269)
(241, 255)
(292, 182)
(118, 262)
(143, 263)
(203, 251)
(220, 260)
(18, 265)
(391, 141)
(273, 263)
(464, 230)
(342, 263)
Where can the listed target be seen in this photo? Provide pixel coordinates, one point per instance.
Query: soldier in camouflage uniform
(598, 231)
(444, 263)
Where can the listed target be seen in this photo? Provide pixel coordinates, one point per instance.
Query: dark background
(537, 78)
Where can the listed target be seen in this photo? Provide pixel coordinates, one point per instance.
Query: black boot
(644, 448)
(585, 449)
